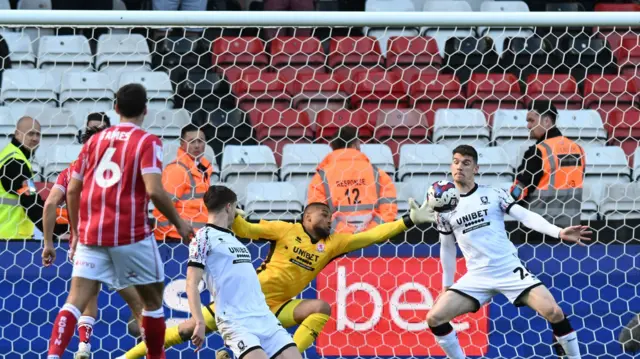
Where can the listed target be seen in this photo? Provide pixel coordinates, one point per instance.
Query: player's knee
(323, 307)
(434, 319)
(553, 314)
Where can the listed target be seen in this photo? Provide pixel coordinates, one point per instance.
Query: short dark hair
(217, 197)
(131, 100)
(189, 128)
(86, 136)
(99, 116)
(466, 150)
(344, 137)
(544, 108)
(315, 205)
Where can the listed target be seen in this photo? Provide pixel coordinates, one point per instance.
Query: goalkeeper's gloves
(241, 213)
(422, 214)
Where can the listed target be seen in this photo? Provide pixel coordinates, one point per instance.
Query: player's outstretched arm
(576, 234)
(447, 259)
(56, 196)
(160, 199)
(271, 230)
(194, 276)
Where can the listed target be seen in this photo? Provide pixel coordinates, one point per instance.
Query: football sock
(448, 341)
(85, 328)
(153, 330)
(63, 329)
(567, 338)
(308, 330)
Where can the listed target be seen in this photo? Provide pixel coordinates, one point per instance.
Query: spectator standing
(186, 180)
(359, 194)
(286, 5)
(550, 177)
(184, 5)
(20, 205)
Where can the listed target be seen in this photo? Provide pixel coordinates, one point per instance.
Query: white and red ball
(443, 196)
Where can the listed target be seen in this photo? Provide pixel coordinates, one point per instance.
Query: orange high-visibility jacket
(360, 195)
(186, 185)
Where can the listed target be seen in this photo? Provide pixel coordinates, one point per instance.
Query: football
(443, 196)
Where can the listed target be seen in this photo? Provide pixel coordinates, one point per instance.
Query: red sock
(153, 328)
(85, 328)
(63, 329)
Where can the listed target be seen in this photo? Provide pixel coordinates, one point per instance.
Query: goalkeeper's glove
(241, 213)
(422, 214)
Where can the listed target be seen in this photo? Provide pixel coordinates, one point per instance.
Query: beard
(322, 231)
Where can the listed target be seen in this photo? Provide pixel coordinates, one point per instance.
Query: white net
(270, 101)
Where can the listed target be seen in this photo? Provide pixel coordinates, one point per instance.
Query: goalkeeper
(298, 253)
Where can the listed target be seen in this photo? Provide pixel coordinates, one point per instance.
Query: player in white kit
(493, 267)
(246, 324)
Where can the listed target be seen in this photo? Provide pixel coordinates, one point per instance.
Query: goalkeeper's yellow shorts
(282, 311)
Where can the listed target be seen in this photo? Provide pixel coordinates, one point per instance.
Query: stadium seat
(616, 7)
(233, 56)
(122, 53)
(525, 56)
(397, 127)
(605, 93)
(328, 123)
(620, 202)
(166, 124)
(63, 54)
(415, 189)
(315, 91)
(273, 201)
(85, 92)
(348, 52)
(202, 92)
(510, 132)
(560, 89)
(225, 126)
(628, 54)
(276, 128)
(431, 92)
(261, 91)
(381, 90)
(35, 33)
(383, 34)
(427, 163)
(606, 164)
(380, 156)
(623, 125)
(495, 165)
(464, 55)
(20, 49)
(242, 165)
(300, 161)
(57, 159)
(491, 92)
(500, 6)
(461, 126)
(442, 34)
(585, 54)
(170, 153)
(591, 200)
(583, 126)
(636, 164)
(158, 85)
(7, 123)
(174, 52)
(295, 54)
(22, 88)
(409, 56)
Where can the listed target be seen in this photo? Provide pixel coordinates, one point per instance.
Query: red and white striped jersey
(114, 201)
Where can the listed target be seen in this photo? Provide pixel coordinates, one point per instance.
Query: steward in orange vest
(186, 180)
(360, 195)
(550, 178)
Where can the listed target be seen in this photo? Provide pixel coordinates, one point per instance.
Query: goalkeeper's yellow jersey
(294, 260)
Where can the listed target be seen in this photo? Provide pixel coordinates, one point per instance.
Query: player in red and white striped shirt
(114, 177)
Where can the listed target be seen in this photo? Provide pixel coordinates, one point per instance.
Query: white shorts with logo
(262, 332)
(512, 279)
(122, 266)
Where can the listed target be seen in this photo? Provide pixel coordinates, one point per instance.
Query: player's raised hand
(576, 234)
(48, 255)
(198, 335)
(422, 214)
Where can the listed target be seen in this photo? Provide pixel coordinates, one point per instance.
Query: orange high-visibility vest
(186, 185)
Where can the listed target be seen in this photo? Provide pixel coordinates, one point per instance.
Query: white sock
(570, 345)
(451, 346)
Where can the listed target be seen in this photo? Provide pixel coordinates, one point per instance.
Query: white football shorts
(512, 279)
(262, 332)
(122, 266)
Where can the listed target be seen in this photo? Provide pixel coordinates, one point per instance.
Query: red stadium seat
(352, 51)
(624, 130)
(605, 93)
(408, 74)
(261, 86)
(275, 128)
(616, 7)
(238, 51)
(397, 127)
(431, 92)
(378, 87)
(347, 76)
(561, 89)
(328, 122)
(413, 51)
(316, 91)
(297, 51)
(490, 92)
(628, 54)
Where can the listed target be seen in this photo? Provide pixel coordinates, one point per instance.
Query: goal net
(270, 101)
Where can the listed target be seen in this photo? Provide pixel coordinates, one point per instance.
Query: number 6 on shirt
(107, 165)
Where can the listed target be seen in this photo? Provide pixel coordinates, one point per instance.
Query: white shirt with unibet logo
(478, 226)
(229, 274)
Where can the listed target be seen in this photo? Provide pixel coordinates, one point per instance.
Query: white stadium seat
(117, 54)
(157, 84)
(36, 32)
(63, 54)
(380, 156)
(498, 34)
(57, 159)
(461, 127)
(86, 92)
(5, 5)
(606, 164)
(442, 34)
(495, 166)
(428, 162)
(20, 49)
(384, 33)
(242, 165)
(591, 199)
(476, 5)
(170, 152)
(300, 161)
(166, 124)
(273, 201)
(510, 133)
(621, 202)
(23, 88)
(636, 164)
(416, 189)
(583, 126)
(7, 122)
